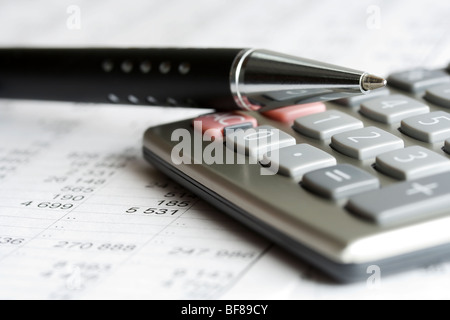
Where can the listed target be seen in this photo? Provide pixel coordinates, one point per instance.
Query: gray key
(412, 163)
(439, 95)
(238, 126)
(404, 201)
(339, 181)
(358, 99)
(418, 79)
(430, 127)
(254, 142)
(298, 159)
(365, 143)
(325, 124)
(447, 146)
(393, 108)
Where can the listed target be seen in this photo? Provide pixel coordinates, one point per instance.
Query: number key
(430, 127)
(255, 142)
(365, 143)
(325, 124)
(392, 108)
(412, 163)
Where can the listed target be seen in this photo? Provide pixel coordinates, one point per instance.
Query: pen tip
(371, 82)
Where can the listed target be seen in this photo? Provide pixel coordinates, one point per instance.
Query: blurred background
(374, 35)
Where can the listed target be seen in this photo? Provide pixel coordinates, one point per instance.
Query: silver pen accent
(264, 80)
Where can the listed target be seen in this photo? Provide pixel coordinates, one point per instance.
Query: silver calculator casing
(320, 231)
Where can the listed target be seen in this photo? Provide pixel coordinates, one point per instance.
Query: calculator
(346, 186)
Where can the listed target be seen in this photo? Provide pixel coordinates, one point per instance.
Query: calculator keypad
(425, 171)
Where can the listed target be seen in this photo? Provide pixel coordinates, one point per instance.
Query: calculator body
(322, 231)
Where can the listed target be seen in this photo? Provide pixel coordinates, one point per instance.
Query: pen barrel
(173, 77)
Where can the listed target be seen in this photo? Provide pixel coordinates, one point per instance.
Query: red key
(215, 123)
(289, 114)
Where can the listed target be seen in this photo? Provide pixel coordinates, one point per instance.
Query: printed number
(90, 181)
(77, 189)
(158, 211)
(55, 179)
(435, 121)
(180, 195)
(411, 157)
(116, 247)
(355, 139)
(74, 245)
(49, 205)
(89, 245)
(68, 197)
(55, 205)
(173, 203)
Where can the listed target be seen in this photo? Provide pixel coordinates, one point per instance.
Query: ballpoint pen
(223, 79)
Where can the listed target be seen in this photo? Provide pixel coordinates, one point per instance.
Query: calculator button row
(412, 163)
(418, 79)
(365, 143)
(326, 124)
(392, 109)
(339, 181)
(403, 201)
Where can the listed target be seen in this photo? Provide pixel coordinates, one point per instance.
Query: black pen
(223, 79)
